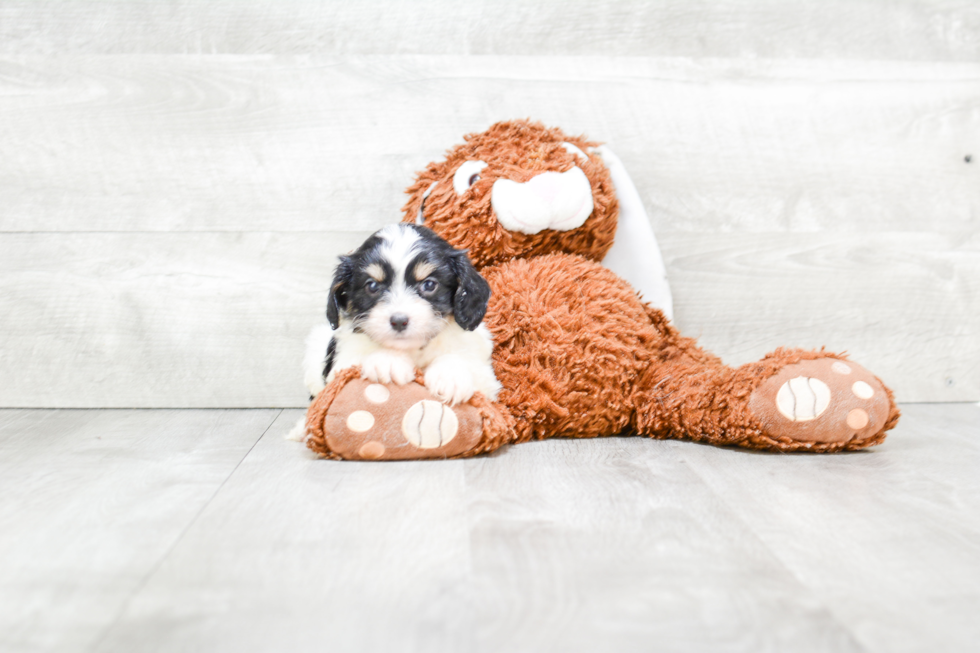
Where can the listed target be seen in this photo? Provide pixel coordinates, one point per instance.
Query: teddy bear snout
(546, 185)
(551, 200)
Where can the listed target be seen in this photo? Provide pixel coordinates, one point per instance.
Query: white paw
(450, 382)
(385, 367)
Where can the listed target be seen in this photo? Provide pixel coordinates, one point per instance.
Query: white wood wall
(177, 178)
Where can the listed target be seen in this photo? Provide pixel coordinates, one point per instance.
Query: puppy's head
(402, 286)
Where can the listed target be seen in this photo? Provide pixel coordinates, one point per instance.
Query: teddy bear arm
(355, 419)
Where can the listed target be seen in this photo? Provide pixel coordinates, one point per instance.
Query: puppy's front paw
(450, 381)
(385, 367)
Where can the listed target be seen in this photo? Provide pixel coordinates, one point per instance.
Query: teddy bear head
(518, 189)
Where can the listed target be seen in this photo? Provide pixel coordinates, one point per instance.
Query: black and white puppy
(407, 300)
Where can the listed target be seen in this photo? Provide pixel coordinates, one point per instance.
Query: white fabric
(635, 255)
(551, 200)
(465, 172)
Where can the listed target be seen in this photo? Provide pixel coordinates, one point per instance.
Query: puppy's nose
(399, 322)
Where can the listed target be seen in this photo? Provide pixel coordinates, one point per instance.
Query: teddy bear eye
(467, 175)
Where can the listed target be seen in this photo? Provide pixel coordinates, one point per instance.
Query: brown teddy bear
(578, 353)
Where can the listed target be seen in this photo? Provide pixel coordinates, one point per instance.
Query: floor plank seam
(156, 567)
(765, 545)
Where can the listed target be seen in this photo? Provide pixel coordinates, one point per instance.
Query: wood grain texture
(580, 546)
(841, 29)
(618, 545)
(545, 547)
(889, 539)
(218, 320)
(155, 320)
(904, 305)
(170, 221)
(92, 501)
(301, 554)
(236, 143)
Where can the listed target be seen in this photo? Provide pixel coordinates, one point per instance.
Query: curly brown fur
(516, 150)
(580, 355)
(577, 352)
(317, 441)
(708, 403)
(498, 426)
(566, 345)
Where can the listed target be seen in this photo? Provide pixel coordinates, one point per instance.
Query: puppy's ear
(339, 290)
(472, 293)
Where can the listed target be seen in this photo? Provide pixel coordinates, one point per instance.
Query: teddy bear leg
(355, 419)
(819, 400)
(792, 400)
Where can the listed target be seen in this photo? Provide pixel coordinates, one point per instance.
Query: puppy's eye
(429, 285)
(467, 175)
(372, 287)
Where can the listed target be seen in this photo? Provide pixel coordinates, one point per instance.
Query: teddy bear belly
(570, 339)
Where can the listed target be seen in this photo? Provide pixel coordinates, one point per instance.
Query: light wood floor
(204, 530)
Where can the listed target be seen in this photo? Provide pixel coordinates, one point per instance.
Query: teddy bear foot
(823, 404)
(371, 421)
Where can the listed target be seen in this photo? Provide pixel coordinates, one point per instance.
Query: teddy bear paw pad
(429, 424)
(371, 421)
(825, 400)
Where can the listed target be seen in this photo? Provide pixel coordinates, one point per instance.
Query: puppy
(407, 300)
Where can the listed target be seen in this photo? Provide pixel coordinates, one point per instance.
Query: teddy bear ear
(472, 293)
